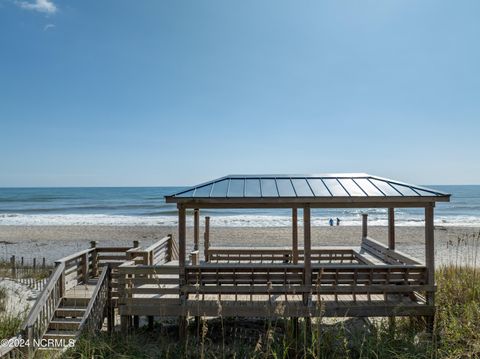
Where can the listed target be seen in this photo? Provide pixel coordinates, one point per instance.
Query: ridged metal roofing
(342, 185)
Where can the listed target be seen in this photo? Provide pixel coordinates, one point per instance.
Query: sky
(151, 93)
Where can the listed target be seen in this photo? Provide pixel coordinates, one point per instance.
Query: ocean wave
(259, 221)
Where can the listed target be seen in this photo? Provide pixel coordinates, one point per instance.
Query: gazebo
(299, 281)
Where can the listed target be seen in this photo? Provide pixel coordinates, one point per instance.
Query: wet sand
(54, 242)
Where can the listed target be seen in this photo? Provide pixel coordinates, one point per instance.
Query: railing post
(206, 239)
(31, 348)
(170, 248)
(364, 225)
(93, 244)
(85, 267)
(194, 258)
(123, 299)
(62, 281)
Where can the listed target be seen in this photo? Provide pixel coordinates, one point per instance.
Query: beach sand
(54, 242)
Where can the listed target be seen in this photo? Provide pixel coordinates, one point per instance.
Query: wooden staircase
(80, 294)
(66, 320)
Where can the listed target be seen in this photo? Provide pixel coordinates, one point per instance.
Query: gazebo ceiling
(322, 188)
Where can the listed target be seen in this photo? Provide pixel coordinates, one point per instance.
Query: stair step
(65, 323)
(60, 334)
(75, 302)
(66, 311)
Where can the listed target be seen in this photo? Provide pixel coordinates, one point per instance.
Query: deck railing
(99, 305)
(283, 255)
(162, 251)
(12, 350)
(42, 312)
(385, 254)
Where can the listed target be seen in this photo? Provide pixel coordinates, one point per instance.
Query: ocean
(146, 206)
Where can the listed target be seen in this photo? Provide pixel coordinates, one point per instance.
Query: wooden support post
(430, 259)
(150, 322)
(93, 244)
(196, 229)
(364, 225)
(391, 228)
(295, 235)
(34, 263)
(44, 263)
(206, 239)
(307, 246)
(182, 320)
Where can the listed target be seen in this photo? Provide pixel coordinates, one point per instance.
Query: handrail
(175, 250)
(96, 305)
(42, 312)
(75, 255)
(157, 244)
(12, 350)
(33, 315)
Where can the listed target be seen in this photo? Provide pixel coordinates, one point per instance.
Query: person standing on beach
(330, 221)
(338, 221)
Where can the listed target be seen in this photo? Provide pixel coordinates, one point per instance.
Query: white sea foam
(219, 220)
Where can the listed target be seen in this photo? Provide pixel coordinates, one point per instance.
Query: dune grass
(456, 332)
(9, 324)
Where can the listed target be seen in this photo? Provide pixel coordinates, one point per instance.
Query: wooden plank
(75, 256)
(112, 249)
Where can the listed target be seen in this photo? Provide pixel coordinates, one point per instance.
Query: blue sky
(112, 93)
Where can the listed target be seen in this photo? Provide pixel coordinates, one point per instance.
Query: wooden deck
(370, 280)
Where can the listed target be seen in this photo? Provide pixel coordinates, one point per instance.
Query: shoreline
(54, 242)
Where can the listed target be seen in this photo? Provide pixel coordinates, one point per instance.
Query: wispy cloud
(48, 26)
(46, 6)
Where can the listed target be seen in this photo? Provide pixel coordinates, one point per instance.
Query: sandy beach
(53, 242)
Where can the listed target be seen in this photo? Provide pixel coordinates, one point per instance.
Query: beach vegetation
(456, 330)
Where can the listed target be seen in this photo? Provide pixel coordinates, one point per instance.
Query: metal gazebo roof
(317, 188)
